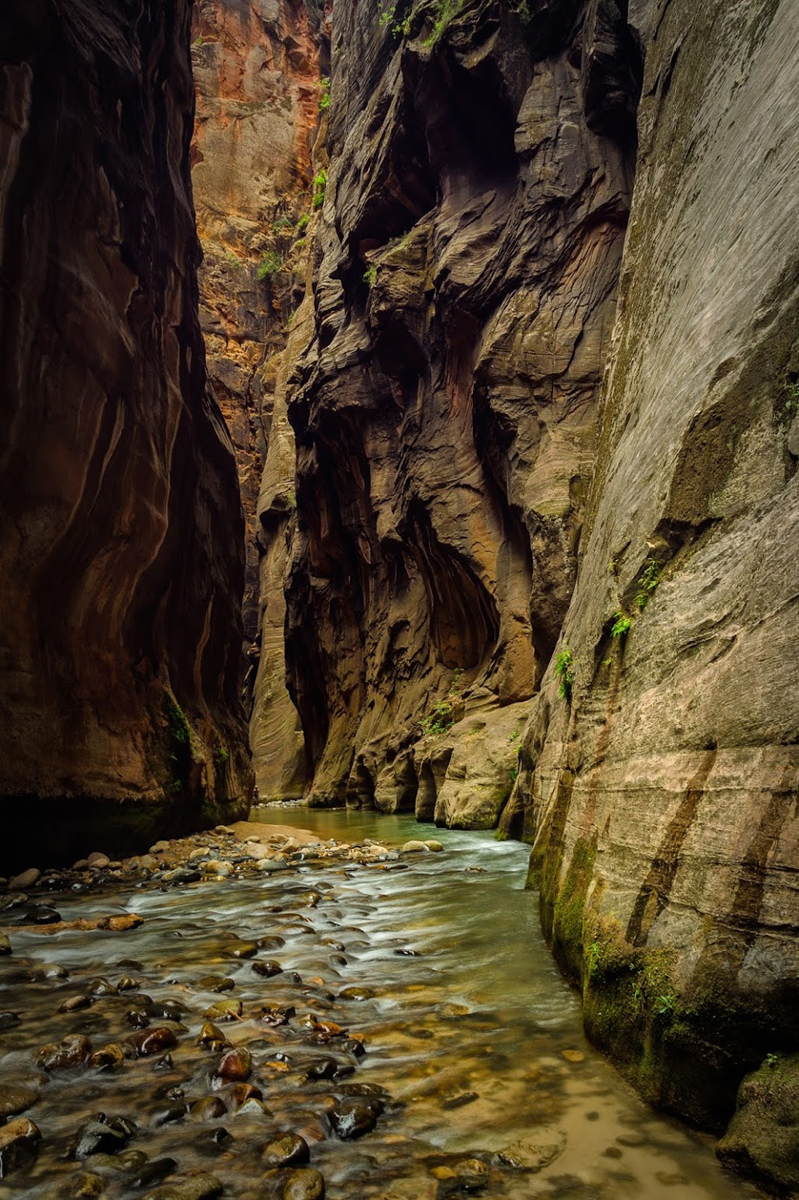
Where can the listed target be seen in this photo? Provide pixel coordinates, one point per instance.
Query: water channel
(436, 959)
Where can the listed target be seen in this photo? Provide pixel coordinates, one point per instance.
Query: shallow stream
(474, 1035)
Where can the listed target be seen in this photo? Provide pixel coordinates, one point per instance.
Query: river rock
(15, 1098)
(414, 847)
(267, 968)
(224, 1010)
(285, 1150)
(19, 1143)
(153, 1172)
(210, 1035)
(208, 1108)
(5, 944)
(306, 1184)
(97, 861)
(352, 1119)
(44, 971)
(151, 1041)
(8, 1019)
(107, 1058)
(194, 1187)
(70, 1052)
(235, 1066)
(75, 1004)
(216, 983)
(83, 1186)
(101, 1135)
(763, 1135)
(244, 950)
(25, 880)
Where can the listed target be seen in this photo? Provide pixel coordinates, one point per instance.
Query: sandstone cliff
(121, 528)
(258, 70)
(444, 407)
(662, 791)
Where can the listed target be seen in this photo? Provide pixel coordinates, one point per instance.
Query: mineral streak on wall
(121, 531)
(662, 796)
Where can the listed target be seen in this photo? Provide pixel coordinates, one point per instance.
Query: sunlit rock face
(663, 797)
(120, 543)
(445, 402)
(257, 70)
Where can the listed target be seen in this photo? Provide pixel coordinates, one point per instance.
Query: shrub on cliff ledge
(269, 266)
(564, 669)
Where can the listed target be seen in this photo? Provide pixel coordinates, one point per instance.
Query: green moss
(568, 906)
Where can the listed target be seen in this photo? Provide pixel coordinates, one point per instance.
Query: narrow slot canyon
(400, 564)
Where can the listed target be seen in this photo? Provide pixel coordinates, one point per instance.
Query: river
(468, 1027)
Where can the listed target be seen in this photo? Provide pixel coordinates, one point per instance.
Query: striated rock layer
(444, 402)
(120, 539)
(257, 70)
(662, 796)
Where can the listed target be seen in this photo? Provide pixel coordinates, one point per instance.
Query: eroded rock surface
(120, 537)
(444, 402)
(662, 796)
(258, 70)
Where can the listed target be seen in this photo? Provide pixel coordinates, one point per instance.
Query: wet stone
(5, 944)
(212, 1141)
(208, 1108)
(25, 880)
(44, 971)
(285, 1150)
(83, 1186)
(267, 969)
(107, 1058)
(352, 1119)
(75, 1004)
(8, 1019)
(100, 987)
(244, 950)
(151, 1041)
(195, 1187)
(235, 1066)
(70, 1052)
(153, 1172)
(240, 1093)
(216, 983)
(460, 1101)
(357, 993)
(15, 1099)
(304, 1185)
(19, 1144)
(224, 1010)
(99, 1135)
(631, 1139)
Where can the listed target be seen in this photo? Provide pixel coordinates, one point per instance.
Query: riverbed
(423, 993)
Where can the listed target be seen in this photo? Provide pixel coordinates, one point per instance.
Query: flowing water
(474, 1035)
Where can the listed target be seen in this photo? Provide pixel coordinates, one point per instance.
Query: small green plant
(370, 276)
(771, 1061)
(791, 393)
(440, 720)
(444, 11)
(269, 266)
(302, 224)
(300, 244)
(388, 18)
(664, 1005)
(198, 41)
(324, 93)
(233, 260)
(282, 223)
(318, 189)
(613, 566)
(221, 756)
(621, 625)
(648, 582)
(514, 735)
(564, 669)
(513, 772)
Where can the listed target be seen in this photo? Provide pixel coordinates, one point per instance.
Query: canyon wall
(120, 541)
(661, 772)
(444, 405)
(258, 70)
